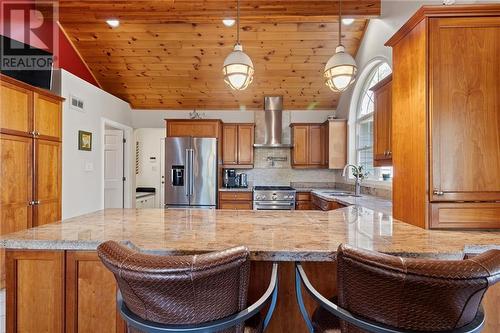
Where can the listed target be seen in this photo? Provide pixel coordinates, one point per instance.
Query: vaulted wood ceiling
(169, 54)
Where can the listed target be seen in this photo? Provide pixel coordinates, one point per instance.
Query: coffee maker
(230, 179)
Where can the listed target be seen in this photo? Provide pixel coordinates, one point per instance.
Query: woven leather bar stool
(382, 293)
(195, 293)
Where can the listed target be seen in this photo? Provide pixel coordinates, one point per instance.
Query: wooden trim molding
(443, 11)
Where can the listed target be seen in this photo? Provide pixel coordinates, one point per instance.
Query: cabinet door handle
(437, 192)
(31, 203)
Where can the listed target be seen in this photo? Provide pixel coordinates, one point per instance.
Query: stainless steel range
(273, 198)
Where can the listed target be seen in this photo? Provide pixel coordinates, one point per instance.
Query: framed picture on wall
(84, 140)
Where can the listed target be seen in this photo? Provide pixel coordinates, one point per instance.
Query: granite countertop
(367, 201)
(270, 235)
(236, 189)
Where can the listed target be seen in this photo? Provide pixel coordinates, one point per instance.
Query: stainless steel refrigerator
(190, 172)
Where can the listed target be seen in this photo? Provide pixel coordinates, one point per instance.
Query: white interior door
(162, 173)
(113, 169)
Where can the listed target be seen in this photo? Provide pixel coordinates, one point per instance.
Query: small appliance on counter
(231, 179)
(243, 180)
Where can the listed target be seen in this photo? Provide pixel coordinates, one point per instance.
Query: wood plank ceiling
(169, 54)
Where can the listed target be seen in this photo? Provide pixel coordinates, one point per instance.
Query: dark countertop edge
(282, 256)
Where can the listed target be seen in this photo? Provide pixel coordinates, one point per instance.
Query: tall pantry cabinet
(446, 117)
(30, 147)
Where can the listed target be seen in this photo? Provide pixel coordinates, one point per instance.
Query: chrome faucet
(357, 178)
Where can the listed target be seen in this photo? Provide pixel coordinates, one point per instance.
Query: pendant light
(341, 69)
(238, 67)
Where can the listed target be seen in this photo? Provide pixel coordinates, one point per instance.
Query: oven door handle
(274, 205)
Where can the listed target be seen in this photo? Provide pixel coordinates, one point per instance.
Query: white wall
(156, 118)
(83, 189)
(150, 169)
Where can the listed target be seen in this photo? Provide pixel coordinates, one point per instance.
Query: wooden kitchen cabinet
(309, 142)
(318, 146)
(15, 105)
(35, 291)
(30, 147)
(16, 183)
(382, 118)
(90, 288)
(237, 145)
(325, 205)
(336, 143)
(47, 117)
(198, 128)
(303, 201)
(236, 200)
(48, 186)
(445, 119)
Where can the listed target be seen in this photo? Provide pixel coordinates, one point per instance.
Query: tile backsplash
(272, 167)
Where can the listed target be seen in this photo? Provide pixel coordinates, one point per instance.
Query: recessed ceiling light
(229, 22)
(113, 23)
(347, 21)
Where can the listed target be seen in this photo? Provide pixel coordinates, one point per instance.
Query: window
(364, 122)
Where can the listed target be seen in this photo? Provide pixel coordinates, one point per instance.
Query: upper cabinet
(446, 117)
(47, 117)
(237, 144)
(29, 111)
(319, 145)
(382, 151)
(15, 105)
(309, 141)
(336, 147)
(200, 128)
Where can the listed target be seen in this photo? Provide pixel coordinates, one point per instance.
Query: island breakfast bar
(56, 283)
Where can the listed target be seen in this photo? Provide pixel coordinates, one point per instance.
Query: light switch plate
(89, 166)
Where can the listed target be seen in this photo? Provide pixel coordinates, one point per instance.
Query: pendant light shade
(341, 69)
(238, 67)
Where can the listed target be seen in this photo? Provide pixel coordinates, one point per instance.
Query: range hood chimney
(273, 122)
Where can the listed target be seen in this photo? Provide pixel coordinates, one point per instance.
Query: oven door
(273, 205)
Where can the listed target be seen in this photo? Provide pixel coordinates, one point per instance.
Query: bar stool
(382, 293)
(192, 293)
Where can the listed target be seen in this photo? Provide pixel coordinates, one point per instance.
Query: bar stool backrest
(413, 294)
(188, 289)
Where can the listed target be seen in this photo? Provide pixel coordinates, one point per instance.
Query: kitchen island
(56, 283)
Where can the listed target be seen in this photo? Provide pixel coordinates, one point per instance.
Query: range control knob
(274, 197)
(258, 197)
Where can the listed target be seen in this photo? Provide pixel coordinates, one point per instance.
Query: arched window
(364, 120)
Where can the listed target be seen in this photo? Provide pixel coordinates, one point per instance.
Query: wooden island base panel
(56, 283)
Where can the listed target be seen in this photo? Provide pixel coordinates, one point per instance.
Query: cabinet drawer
(303, 205)
(465, 215)
(236, 205)
(235, 196)
(303, 196)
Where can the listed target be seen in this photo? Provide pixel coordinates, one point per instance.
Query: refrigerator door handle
(187, 176)
(191, 171)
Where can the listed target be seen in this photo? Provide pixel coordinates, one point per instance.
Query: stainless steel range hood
(272, 124)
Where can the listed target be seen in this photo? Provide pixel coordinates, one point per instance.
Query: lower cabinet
(145, 202)
(35, 291)
(303, 201)
(236, 200)
(60, 291)
(325, 205)
(90, 288)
